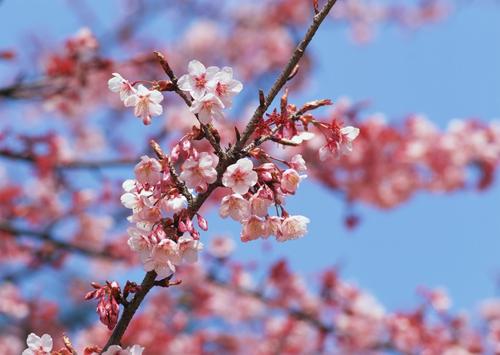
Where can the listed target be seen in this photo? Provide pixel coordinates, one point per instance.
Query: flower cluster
(254, 190)
(212, 89)
(43, 346)
(156, 201)
(146, 102)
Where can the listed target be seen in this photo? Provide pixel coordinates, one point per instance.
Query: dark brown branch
(129, 311)
(283, 77)
(70, 165)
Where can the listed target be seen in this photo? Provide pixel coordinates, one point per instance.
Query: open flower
(38, 345)
(293, 227)
(208, 107)
(148, 171)
(146, 103)
(200, 171)
(224, 86)
(197, 79)
(234, 206)
(118, 84)
(240, 176)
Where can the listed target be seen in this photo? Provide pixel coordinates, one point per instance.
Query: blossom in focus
(207, 108)
(189, 248)
(148, 171)
(290, 181)
(197, 79)
(293, 227)
(253, 228)
(224, 86)
(120, 85)
(146, 103)
(200, 171)
(38, 345)
(234, 206)
(240, 176)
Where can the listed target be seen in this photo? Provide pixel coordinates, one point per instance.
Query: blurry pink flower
(234, 206)
(221, 247)
(148, 171)
(240, 176)
(196, 81)
(146, 103)
(200, 171)
(118, 84)
(253, 228)
(224, 86)
(208, 107)
(290, 181)
(293, 227)
(38, 345)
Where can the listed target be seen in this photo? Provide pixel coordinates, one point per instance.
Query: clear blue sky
(445, 71)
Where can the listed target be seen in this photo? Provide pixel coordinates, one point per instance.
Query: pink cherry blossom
(118, 84)
(298, 163)
(224, 86)
(200, 171)
(342, 144)
(253, 228)
(234, 206)
(260, 202)
(290, 181)
(293, 227)
(146, 103)
(148, 171)
(189, 248)
(197, 79)
(240, 176)
(174, 203)
(38, 345)
(208, 107)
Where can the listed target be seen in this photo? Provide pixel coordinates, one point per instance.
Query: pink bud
(202, 222)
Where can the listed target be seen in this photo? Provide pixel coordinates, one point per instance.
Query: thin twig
(283, 77)
(48, 238)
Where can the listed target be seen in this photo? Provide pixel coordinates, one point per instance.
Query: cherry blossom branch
(284, 76)
(48, 238)
(225, 160)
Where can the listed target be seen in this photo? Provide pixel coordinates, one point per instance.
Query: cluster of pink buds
(212, 89)
(108, 307)
(257, 189)
(146, 102)
(155, 201)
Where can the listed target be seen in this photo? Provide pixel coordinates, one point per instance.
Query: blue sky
(446, 71)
